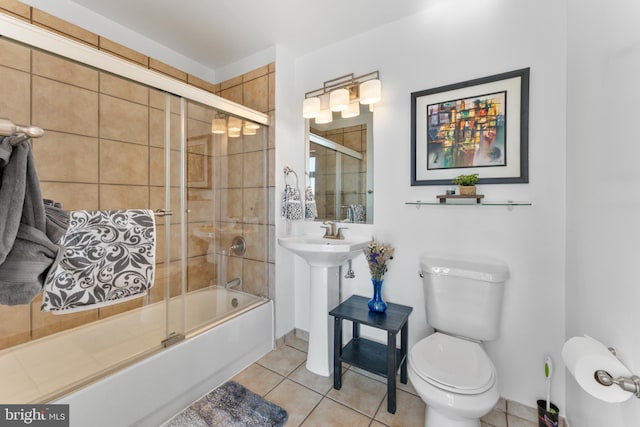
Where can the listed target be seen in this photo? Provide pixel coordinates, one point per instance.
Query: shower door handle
(163, 212)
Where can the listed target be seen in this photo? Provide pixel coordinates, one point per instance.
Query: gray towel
(26, 250)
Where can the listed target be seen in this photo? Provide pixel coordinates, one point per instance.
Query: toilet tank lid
(484, 270)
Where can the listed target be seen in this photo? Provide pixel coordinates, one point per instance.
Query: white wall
(602, 203)
(453, 42)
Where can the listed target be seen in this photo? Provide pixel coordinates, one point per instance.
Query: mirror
(340, 167)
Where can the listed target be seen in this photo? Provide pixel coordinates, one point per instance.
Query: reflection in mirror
(340, 167)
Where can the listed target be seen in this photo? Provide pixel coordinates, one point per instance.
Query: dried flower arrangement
(378, 254)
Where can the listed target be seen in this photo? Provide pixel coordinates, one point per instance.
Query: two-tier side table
(370, 355)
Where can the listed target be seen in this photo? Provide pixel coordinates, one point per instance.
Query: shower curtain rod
(21, 133)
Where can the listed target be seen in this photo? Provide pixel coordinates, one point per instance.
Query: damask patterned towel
(106, 257)
(292, 209)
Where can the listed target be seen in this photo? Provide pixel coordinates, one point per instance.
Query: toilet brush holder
(547, 418)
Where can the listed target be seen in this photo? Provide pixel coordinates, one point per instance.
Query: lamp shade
(370, 91)
(247, 130)
(218, 126)
(235, 124)
(325, 116)
(234, 133)
(352, 111)
(251, 125)
(311, 108)
(339, 100)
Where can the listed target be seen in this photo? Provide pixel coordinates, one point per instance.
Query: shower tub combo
(209, 314)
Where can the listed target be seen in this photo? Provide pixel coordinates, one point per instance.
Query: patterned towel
(310, 207)
(291, 204)
(107, 257)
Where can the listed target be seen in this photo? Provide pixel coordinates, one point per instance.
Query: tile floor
(310, 399)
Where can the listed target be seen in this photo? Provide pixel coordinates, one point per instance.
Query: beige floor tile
(258, 379)
(329, 413)
(359, 392)
(519, 422)
(315, 382)
(408, 387)
(409, 411)
(297, 342)
(283, 360)
(371, 375)
(496, 418)
(520, 410)
(375, 423)
(296, 399)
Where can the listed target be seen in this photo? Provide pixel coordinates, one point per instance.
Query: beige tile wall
(109, 135)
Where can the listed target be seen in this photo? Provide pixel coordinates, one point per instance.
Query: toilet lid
(453, 364)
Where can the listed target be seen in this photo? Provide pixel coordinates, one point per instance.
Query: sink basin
(320, 252)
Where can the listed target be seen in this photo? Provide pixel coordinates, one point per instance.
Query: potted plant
(467, 184)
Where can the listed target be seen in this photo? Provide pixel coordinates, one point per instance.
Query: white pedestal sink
(324, 256)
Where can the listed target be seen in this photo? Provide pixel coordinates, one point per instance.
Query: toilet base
(433, 418)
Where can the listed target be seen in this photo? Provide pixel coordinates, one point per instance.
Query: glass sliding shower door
(226, 208)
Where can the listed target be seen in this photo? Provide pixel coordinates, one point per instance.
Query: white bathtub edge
(150, 392)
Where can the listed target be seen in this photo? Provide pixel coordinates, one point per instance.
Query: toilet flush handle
(421, 274)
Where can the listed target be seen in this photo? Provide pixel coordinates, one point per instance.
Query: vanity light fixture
(246, 130)
(342, 92)
(325, 116)
(251, 125)
(311, 108)
(353, 110)
(218, 125)
(234, 124)
(339, 100)
(370, 92)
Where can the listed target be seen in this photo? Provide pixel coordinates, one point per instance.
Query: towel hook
(19, 133)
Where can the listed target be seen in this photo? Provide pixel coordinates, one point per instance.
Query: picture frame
(477, 126)
(198, 161)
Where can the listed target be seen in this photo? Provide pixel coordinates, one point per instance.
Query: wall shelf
(507, 203)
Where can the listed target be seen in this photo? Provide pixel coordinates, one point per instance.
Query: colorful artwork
(478, 126)
(469, 132)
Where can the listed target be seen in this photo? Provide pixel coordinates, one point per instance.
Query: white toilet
(450, 369)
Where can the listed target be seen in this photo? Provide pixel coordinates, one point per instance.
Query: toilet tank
(464, 297)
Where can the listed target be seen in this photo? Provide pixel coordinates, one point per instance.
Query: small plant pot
(467, 190)
(547, 418)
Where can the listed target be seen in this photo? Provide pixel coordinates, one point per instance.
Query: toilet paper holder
(630, 384)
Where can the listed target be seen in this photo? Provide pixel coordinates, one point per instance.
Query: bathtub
(123, 376)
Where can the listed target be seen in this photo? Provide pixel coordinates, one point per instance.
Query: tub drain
(234, 302)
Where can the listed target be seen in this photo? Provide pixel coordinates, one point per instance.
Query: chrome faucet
(331, 232)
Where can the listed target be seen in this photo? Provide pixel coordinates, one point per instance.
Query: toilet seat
(453, 364)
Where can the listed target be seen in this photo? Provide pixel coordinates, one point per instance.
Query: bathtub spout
(233, 283)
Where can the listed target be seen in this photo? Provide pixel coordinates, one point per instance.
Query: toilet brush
(547, 373)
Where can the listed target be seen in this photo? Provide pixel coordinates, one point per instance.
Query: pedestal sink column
(324, 256)
(324, 297)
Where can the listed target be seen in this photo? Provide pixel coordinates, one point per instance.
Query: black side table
(369, 355)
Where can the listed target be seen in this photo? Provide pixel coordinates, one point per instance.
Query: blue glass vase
(377, 305)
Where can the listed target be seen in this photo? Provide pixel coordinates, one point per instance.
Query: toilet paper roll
(583, 356)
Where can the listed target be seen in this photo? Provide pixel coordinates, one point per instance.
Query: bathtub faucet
(236, 281)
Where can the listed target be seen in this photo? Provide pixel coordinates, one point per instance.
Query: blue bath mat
(230, 405)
